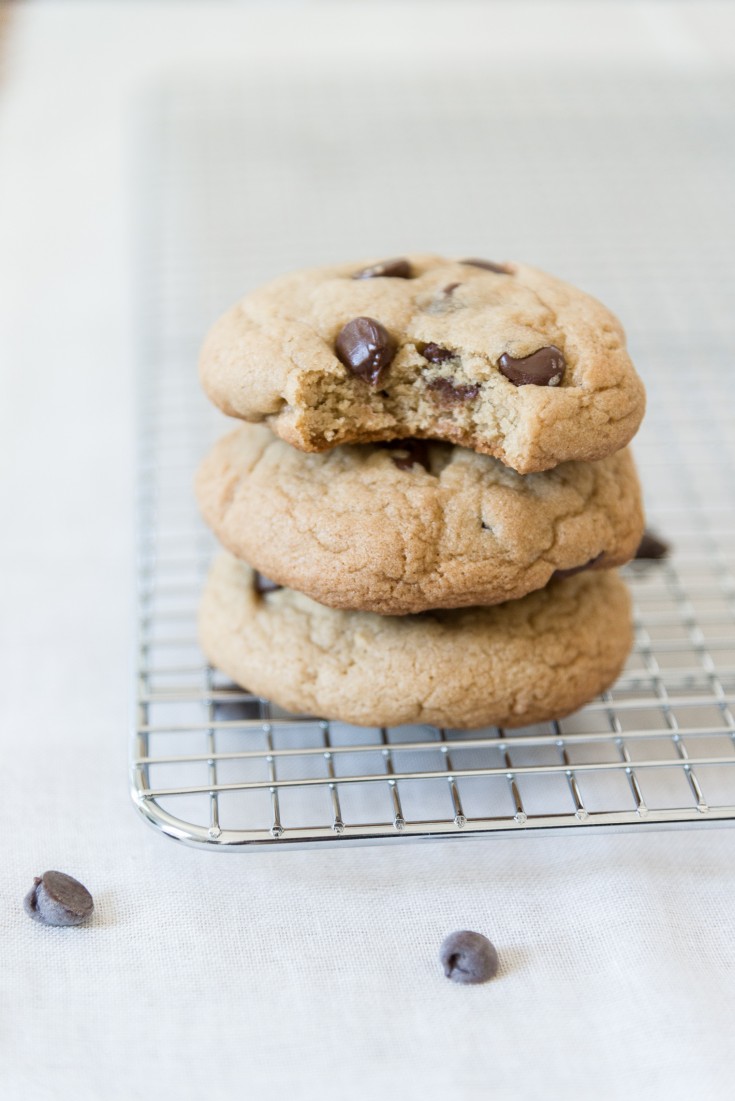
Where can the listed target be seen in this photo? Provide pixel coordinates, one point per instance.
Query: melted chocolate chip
(395, 269)
(417, 451)
(542, 368)
(578, 569)
(453, 392)
(366, 348)
(263, 584)
(436, 354)
(488, 265)
(652, 548)
(450, 288)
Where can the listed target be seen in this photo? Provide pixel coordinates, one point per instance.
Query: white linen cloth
(308, 974)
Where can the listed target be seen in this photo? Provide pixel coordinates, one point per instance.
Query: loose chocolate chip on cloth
(526, 661)
(538, 372)
(58, 899)
(411, 525)
(468, 957)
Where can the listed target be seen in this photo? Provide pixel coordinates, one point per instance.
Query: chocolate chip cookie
(511, 665)
(500, 358)
(411, 525)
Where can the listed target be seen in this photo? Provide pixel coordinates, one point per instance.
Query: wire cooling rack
(620, 185)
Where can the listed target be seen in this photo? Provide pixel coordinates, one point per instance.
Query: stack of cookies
(423, 514)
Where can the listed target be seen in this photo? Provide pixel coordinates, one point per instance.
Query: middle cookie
(413, 525)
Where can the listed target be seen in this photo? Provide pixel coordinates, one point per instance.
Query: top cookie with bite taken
(500, 358)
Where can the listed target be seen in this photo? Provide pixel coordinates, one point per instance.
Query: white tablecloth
(280, 974)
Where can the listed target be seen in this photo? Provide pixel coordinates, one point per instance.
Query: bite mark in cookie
(533, 371)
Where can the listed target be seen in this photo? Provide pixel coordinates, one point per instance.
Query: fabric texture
(315, 974)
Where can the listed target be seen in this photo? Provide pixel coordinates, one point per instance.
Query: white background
(310, 974)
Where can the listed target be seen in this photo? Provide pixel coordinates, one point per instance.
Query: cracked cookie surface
(514, 664)
(413, 525)
(502, 359)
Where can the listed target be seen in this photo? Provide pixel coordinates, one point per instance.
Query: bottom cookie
(513, 664)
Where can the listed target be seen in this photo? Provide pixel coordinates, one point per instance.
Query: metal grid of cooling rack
(214, 765)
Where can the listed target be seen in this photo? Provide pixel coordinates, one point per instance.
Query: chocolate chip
(366, 348)
(58, 899)
(468, 957)
(453, 392)
(542, 368)
(417, 451)
(395, 269)
(436, 354)
(263, 584)
(652, 548)
(450, 288)
(578, 569)
(488, 265)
